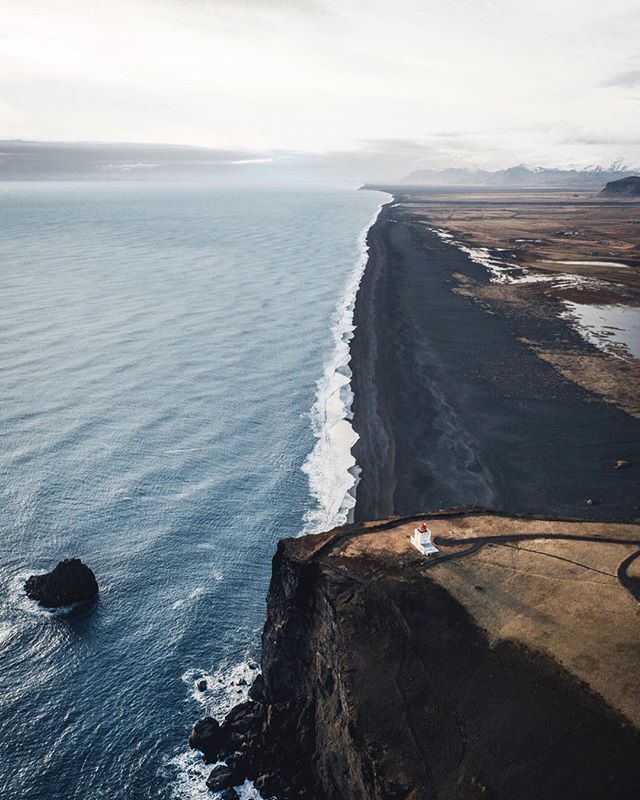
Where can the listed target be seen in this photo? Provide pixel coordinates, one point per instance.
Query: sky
(402, 83)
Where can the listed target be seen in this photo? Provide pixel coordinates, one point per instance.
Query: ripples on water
(159, 352)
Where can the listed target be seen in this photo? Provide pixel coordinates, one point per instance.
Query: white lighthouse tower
(421, 540)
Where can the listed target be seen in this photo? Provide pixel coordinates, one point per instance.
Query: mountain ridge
(518, 176)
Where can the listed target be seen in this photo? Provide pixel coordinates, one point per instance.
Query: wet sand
(454, 409)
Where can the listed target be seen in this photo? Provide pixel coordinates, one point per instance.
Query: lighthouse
(421, 540)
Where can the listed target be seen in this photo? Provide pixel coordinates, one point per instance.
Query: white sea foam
(7, 631)
(331, 468)
(22, 603)
(191, 597)
(333, 477)
(192, 773)
(226, 687)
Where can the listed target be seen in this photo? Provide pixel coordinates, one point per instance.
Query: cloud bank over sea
(488, 83)
(373, 162)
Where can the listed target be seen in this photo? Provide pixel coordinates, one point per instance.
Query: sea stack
(69, 582)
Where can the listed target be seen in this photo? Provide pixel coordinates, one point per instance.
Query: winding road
(630, 583)
(476, 543)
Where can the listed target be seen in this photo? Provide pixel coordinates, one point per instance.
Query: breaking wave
(331, 469)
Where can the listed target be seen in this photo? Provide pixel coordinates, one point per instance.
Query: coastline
(388, 675)
(374, 450)
(454, 409)
(332, 462)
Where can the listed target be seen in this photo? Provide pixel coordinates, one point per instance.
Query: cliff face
(380, 684)
(307, 685)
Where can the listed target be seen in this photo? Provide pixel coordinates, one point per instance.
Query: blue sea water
(171, 357)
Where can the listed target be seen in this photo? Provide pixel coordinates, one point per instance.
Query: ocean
(175, 399)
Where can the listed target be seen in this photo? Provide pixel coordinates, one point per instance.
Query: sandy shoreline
(454, 409)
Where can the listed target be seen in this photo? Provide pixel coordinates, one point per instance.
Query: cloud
(626, 80)
(457, 78)
(603, 140)
(82, 160)
(372, 161)
(129, 167)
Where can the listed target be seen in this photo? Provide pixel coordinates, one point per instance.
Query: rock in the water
(70, 582)
(235, 740)
(220, 777)
(238, 763)
(256, 692)
(201, 685)
(245, 717)
(265, 784)
(208, 737)
(230, 794)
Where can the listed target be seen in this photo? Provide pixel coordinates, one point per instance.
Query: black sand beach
(453, 409)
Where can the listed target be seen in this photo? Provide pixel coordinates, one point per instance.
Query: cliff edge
(505, 667)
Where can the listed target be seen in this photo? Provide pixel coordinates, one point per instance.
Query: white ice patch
(505, 272)
(610, 328)
(616, 264)
(330, 467)
(614, 329)
(500, 271)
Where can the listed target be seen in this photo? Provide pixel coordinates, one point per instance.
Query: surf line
(331, 469)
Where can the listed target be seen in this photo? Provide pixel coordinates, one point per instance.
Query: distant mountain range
(520, 176)
(22, 160)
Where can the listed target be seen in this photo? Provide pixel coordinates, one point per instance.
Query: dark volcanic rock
(245, 717)
(209, 738)
(625, 187)
(240, 765)
(230, 794)
(201, 685)
(70, 582)
(267, 785)
(220, 777)
(348, 711)
(256, 692)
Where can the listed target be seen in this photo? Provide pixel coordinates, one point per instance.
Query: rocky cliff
(625, 187)
(386, 676)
